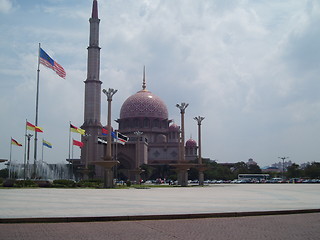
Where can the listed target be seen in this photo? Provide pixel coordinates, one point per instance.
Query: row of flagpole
(47, 61)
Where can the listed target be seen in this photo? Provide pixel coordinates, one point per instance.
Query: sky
(251, 68)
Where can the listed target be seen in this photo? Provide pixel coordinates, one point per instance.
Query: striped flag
(15, 142)
(47, 61)
(77, 130)
(77, 143)
(33, 127)
(46, 143)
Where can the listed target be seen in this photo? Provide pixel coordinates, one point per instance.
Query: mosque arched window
(135, 123)
(156, 123)
(146, 123)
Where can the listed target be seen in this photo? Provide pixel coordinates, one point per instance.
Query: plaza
(169, 201)
(223, 211)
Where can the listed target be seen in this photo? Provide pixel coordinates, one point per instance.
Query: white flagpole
(25, 153)
(9, 166)
(42, 151)
(70, 169)
(69, 140)
(36, 120)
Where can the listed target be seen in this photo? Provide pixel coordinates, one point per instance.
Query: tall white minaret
(92, 101)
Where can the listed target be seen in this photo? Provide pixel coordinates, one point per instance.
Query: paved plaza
(48, 203)
(187, 202)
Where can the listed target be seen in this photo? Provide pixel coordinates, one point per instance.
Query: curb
(153, 217)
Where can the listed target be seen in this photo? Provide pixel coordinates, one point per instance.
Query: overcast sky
(251, 68)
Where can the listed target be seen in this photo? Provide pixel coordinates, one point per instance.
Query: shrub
(25, 183)
(92, 183)
(128, 182)
(63, 183)
(8, 183)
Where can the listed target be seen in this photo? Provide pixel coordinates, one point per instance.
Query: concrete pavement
(65, 205)
(228, 198)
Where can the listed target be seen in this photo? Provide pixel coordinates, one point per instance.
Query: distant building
(251, 162)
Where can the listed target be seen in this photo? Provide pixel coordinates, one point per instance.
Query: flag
(101, 141)
(46, 143)
(47, 61)
(77, 143)
(105, 132)
(122, 138)
(77, 130)
(14, 142)
(33, 127)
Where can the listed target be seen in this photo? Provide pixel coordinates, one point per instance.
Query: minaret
(92, 102)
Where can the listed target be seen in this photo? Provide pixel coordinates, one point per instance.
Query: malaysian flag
(47, 61)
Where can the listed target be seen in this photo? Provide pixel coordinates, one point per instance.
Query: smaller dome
(191, 143)
(174, 128)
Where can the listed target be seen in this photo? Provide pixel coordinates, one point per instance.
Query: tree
(294, 171)
(312, 170)
(4, 173)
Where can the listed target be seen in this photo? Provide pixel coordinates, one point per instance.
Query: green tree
(312, 170)
(294, 171)
(254, 168)
(4, 173)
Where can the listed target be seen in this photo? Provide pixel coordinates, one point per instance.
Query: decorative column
(182, 166)
(201, 166)
(85, 171)
(137, 171)
(108, 163)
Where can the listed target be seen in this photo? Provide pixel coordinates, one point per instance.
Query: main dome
(144, 104)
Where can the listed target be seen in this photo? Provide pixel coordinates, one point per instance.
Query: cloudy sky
(251, 68)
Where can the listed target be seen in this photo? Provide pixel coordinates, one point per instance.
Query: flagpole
(36, 120)
(25, 153)
(9, 166)
(69, 139)
(42, 151)
(72, 151)
(69, 150)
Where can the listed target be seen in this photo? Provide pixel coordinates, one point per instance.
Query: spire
(144, 78)
(94, 9)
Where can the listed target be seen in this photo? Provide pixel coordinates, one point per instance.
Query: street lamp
(283, 158)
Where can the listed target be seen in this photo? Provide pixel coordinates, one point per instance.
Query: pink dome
(174, 128)
(191, 143)
(144, 104)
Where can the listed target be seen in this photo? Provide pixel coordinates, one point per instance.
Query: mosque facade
(153, 137)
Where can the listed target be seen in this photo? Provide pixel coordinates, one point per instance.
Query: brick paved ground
(293, 227)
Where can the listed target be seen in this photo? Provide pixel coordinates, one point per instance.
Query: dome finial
(144, 78)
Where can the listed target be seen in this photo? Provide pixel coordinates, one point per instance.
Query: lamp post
(183, 171)
(201, 175)
(283, 158)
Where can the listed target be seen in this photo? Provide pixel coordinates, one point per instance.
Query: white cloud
(5, 6)
(250, 67)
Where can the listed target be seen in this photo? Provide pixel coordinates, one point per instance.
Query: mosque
(154, 138)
